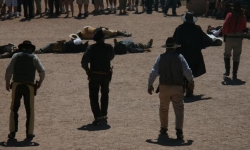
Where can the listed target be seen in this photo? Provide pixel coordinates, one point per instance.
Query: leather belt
(99, 72)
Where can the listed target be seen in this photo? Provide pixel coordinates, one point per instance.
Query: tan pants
(234, 44)
(174, 94)
(88, 32)
(27, 92)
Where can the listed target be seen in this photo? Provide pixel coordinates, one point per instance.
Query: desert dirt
(216, 118)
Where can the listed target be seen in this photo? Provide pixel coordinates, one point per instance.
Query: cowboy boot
(149, 44)
(235, 69)
(227, 66)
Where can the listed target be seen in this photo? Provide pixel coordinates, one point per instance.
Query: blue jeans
(167, 4)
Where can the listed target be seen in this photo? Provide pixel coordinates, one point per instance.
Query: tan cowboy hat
(170, 43)
(74, 36)
(189, 17)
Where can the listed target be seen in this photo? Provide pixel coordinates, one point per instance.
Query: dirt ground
(217, 118)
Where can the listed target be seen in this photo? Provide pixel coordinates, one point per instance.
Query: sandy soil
(216, 118)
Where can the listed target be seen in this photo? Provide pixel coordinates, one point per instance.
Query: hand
(7, 86)
(150, 89)
(191, 85)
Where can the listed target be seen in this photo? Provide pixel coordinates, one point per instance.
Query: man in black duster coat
(192, 40)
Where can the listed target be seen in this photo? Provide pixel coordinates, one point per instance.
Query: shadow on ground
(196, 98)
(164, 140)
(15, 143)
(229, 81)
(90, 127)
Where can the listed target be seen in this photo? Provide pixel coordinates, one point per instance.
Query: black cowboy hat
(170, 43)
(27, 45)
(189, 17)
(98, 34)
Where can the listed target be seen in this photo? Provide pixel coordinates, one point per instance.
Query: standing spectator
(156, 5)
(98, 55)
(233, 27)
(23, 67)
(67, 3)
(137, 3)
(10, 4)
(99, 7)
(168, 3)
(210, 5)
(112, 6)
(148, 4)
(46, 6)
(172, 68)
(51, 6)
(122, 6)
(28, 9)
(192, 40)
(38, 7)
(19, 7)
(86, 6)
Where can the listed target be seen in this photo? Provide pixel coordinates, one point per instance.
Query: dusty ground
(216, 118)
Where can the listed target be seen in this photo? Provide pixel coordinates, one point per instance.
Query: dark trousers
(51, 6)
(169, 3)
(19, 5)
(148, 4)
(96, 83)
(28, 8)
(27, 92)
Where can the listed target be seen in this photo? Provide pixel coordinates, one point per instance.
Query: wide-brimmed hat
(170, 43)
(74, 36)
(98, 34)
(189, 17)
(27, 45)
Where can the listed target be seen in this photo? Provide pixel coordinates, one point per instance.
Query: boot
(149, 44)
(235, 69)
(179, 134)
(227, 66)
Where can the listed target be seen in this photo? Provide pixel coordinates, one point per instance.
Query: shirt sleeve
(10, 68)
(154, 72)
(187, 72)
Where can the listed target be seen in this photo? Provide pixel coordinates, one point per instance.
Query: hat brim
(189, 21)
(175, 46)
(72, 36)
(23, 46)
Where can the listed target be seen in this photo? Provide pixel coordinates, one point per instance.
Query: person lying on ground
(74, 45)
(6, 51)
(129, 46)
(87, 33)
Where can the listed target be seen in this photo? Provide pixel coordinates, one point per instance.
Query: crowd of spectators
(54, 8)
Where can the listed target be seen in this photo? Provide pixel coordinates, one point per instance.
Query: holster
(35, 88)
(110, 73)
(225, 37)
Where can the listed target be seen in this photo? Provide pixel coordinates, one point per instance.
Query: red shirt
(230, 21)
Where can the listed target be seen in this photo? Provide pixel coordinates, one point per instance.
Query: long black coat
(192, 40)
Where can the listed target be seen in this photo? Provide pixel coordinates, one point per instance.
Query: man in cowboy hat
(172, 68)
(192, 40)
(74, 45)
(22, 70)
(233, 28)
(6, 51)
(99, 56)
